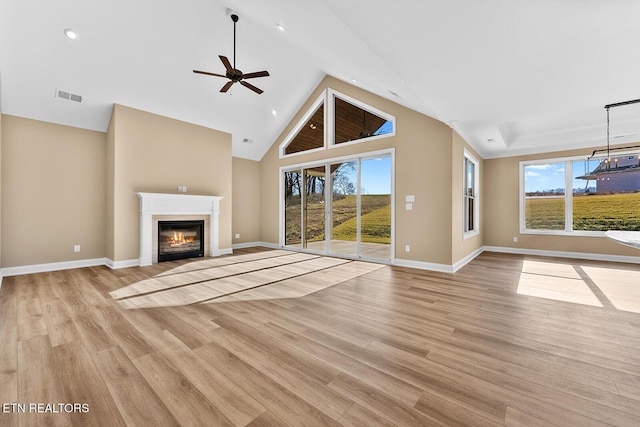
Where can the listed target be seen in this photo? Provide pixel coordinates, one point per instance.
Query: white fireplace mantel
(176, 204)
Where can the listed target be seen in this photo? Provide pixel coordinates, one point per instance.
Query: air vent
(70, 96)
(247, 141)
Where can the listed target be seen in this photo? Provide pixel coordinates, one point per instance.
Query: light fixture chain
(608, 147)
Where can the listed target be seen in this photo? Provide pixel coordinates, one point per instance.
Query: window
(353, 123)
(335, 119)
(470, 195)
(580, 196)
(544, 191)
(308, 135)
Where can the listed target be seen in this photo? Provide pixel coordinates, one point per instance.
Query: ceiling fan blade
(208, 73)
(226, 63)
(256, 74)
(252, 87)
(227, 86)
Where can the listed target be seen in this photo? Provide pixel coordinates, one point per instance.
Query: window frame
(331, 124)
(468, 157)
(301, 123)
(568, 198)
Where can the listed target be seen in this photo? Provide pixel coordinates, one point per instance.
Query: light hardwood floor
(233, 341)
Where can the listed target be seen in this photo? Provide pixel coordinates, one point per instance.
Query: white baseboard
(114, 265)
(466, 260)
(227, 251)
(442, 268)
(53, 266)
(563, 254)
(256, 244)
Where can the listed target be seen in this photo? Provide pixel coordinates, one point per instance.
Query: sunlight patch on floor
(621, 287)
(300, 286)
(266, 275)
(200, 271)
(559, 282)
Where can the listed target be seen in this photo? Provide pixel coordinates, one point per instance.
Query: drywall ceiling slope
(510, 77)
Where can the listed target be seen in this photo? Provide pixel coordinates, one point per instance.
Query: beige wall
(0, 197)
(462, 247)
(109, 190)
(246, 200)
(501, 212)
(422, 168)
(156, 154)
(53, 180)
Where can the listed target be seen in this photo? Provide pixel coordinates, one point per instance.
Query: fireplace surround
(155, 207)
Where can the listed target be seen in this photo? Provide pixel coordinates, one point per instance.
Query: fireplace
(180, 239)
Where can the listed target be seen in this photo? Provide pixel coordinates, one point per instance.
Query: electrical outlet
(76, 248)
(407, 248)
(237, 235)
(515, 239)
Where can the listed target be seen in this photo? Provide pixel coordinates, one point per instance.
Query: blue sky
(376, 175)
(550, 176)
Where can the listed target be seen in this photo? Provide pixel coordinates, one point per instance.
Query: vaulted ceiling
(511, 77)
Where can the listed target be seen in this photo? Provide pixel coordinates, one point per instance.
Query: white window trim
(303, 121)
(476, 197)
(331, 95)
(568, 198)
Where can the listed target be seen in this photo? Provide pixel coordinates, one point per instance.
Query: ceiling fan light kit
(232, 73)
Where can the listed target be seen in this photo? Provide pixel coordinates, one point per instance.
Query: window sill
(470, 234)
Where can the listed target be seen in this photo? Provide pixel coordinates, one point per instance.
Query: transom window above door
(335, 119)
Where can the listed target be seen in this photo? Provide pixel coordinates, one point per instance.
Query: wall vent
(67, 95)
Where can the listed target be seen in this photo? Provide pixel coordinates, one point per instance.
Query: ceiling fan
(233, 74)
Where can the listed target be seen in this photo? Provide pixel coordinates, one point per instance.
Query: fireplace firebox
(180, 239)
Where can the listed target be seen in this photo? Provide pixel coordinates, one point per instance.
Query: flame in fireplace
(179, 239)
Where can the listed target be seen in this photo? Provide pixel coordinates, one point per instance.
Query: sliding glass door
(341, 208)
(314, 209)
(344, 208)
(375, 208)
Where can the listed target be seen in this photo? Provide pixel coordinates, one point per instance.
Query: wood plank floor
(507, 340)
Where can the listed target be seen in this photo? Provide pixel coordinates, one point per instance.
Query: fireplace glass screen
(180, 239)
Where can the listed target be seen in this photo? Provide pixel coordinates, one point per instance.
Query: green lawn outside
(590, 212)
(375, 211)
(376, 227)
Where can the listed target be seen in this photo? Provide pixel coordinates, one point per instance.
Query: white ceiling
(531, 76)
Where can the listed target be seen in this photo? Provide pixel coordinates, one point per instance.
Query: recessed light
(70, 33)
(274, 112)
(354, 81)
(280, 27)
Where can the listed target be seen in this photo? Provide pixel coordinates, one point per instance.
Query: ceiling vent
(66, 95)
(247, 141)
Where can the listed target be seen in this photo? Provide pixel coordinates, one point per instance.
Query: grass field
(375, 211)
(590, 212)
(376, 227)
